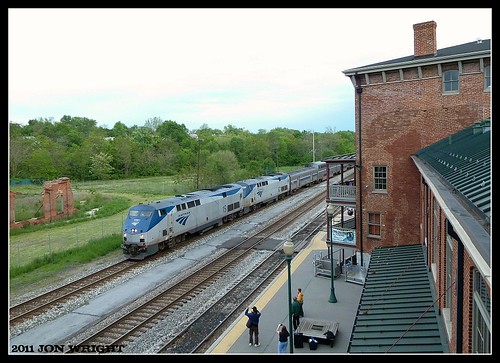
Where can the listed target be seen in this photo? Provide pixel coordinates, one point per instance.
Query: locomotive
(154, 226)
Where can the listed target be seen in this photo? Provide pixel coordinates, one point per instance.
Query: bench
(316, 328)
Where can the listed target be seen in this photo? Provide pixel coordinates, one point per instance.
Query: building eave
(422, 62)
(474, 237)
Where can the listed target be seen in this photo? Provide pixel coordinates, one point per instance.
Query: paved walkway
(273, 305)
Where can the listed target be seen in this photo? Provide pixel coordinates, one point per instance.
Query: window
(374, 225)
(481, 337)
(450, 81)
(448, 308)
(487, 78)
(380, 178)
(435, 239)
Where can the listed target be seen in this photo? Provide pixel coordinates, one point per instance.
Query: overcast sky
(249, 68)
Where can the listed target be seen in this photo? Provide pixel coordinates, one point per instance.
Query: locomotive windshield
(140, 213)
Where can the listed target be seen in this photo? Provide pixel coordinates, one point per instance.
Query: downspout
(359, 90)
(426, 226)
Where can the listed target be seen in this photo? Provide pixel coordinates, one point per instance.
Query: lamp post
(329, 211)
(288, 249)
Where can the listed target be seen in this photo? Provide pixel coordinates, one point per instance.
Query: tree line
(77, 148)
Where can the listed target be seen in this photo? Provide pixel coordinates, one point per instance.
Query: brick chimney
(424, 42)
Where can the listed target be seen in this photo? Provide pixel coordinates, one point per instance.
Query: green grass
(39, 252)
(56, 262)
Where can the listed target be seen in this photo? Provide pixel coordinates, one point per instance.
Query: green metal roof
(464, 162)
(396, 313)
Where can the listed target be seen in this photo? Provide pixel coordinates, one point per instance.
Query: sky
(254, 68)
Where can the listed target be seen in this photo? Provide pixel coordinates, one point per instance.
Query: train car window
(162, 212)
(178, 207)
(183, 205)
(237, 205)
(191, 204)
(197, 202)
(229, 207)
(133, 213)
(146, 214)
(224, 195)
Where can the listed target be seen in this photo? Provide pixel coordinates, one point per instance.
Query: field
(39, 252)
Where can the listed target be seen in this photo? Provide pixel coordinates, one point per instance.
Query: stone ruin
(57, 203)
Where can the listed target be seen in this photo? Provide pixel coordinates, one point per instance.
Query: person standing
(300, 299)
(295, 313)
(283, 335)
(253, 330)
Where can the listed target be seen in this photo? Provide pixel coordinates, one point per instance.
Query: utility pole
(314, 150)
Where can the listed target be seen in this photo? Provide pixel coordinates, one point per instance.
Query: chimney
(424, 42)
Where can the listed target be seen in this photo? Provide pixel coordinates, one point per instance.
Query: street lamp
(329, 211)
(288, 249)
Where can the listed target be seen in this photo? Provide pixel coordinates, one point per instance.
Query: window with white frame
(435, 240)
(380, 178)
(481, 310)
(450, 81)
(374, 225)
(487, 78)
(449, 282)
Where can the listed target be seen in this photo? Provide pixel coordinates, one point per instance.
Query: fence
(25, 247)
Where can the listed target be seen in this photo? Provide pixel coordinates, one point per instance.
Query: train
(155, 226)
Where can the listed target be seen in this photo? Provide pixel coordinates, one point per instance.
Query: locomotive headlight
(124, 235)
(142, 235)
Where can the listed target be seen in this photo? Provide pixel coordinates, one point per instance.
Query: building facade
(455, 210)
(403, 106)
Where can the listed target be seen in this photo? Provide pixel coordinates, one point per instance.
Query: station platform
(273, 304)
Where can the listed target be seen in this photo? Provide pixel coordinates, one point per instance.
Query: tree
(221, 168)
(100, 166)
(176, 132)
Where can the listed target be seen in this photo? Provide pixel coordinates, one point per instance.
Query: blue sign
(344, 235)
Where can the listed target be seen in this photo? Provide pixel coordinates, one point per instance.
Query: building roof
(345, 158)
(397, 311)
(463, 161)
(463, 51)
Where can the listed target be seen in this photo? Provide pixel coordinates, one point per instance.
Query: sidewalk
(273, 303)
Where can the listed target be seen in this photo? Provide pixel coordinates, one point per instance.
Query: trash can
(313, 344)
(298, 340)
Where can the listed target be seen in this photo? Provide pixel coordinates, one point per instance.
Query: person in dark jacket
(283, 335)
(253, 330)
(296, 310)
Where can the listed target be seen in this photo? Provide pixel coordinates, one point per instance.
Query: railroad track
(45, 302)
(131, 326)
(200, 334)
(49, 301)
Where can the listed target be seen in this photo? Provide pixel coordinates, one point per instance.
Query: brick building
(403, 106)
